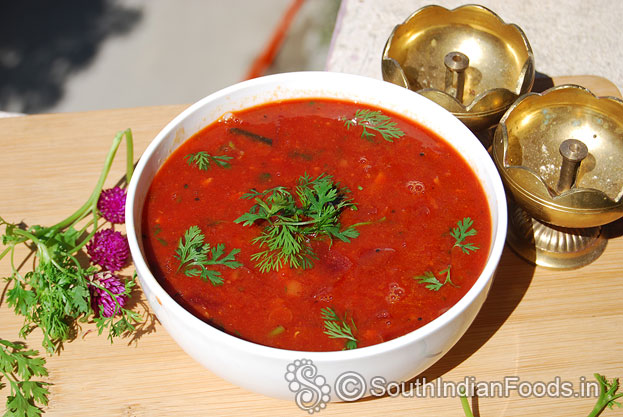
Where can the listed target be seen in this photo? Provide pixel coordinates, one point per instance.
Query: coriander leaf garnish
(432, 282)
(337, 328)
(17, 367)
(289, 226)
(202, 160)
(463, 231)
(376, 121)
(193, 253)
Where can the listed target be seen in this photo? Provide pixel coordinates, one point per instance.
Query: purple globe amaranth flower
(109, 249)
(102, 302)
(112, 205)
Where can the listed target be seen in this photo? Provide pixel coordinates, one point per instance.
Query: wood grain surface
(536, 325)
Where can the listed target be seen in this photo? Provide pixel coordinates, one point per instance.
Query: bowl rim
(497, 243)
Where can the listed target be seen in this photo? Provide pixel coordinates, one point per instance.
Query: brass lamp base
(552, 246)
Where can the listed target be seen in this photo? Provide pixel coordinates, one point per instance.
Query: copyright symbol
(350, 386)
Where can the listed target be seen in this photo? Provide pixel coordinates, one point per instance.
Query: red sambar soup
(331, 225)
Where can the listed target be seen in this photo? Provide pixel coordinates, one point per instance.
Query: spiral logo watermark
(311, 392)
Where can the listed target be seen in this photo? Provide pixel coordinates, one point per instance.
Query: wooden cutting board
(536, 325)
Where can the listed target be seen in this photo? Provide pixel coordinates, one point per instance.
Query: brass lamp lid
(468, 60)
(560, 154)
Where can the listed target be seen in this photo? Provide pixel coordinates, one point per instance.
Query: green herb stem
(42, 248)
(7, 250)
(607, 395)
(85, 227)
(92, 201)
(465, 403)
(129, 141)
(84, 241)
(290, 223)
(13, 267)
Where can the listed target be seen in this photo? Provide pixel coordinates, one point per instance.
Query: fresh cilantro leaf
(432, 282)
(192, 253)
(17, 367)
(462, 232)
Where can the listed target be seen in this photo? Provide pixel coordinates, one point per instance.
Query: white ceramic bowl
(264, 369)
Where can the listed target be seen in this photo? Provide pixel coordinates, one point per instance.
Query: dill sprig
(338, 328)
(202, 160)
(17, 367)
(463, 231)
(432, 282)
(374, 121)
(192, 252)
(288, 226)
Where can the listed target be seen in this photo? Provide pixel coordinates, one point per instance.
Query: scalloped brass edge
(476, 99)
(611, 210)
(524, 83)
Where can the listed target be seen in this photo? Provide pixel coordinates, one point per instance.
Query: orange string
(266, 58)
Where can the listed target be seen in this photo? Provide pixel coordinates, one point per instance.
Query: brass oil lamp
(560, 155)
(468, 60)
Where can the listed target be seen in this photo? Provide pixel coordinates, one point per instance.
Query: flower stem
(100, 183)
(90, 235)
(7, 250)
(43, 250)
(129, 155)
(466, 408)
